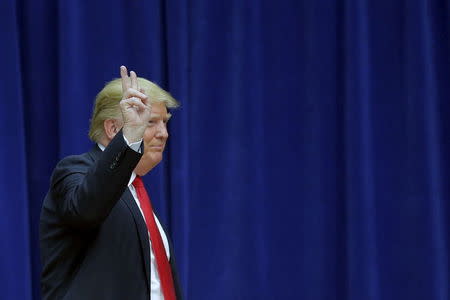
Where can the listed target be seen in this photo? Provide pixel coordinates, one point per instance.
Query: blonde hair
(107, 103)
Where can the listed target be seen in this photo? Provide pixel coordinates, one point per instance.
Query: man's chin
(155, 157)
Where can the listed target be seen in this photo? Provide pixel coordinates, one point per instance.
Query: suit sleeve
(85, 192)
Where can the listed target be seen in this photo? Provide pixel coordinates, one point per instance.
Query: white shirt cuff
(136, 146)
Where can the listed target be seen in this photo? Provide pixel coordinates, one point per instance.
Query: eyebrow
(168, 116)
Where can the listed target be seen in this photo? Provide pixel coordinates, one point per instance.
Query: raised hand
(135, 106)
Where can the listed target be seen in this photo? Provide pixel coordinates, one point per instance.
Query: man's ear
(111, 128)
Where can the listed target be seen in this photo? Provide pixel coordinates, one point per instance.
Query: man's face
(154, 139)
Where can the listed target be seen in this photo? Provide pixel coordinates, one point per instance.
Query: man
(99, 236)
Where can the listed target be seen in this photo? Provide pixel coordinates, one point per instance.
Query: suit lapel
(142, 230)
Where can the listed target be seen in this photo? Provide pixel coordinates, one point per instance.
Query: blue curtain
(309, 158)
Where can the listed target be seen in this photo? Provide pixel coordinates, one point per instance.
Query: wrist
(133, 134)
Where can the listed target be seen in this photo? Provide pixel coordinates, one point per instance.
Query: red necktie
(162, 263)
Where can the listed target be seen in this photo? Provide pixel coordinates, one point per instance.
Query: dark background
(309, 159)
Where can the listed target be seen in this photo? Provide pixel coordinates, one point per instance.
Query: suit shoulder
(70, 165)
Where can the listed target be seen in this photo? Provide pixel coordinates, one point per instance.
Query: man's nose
(162, 131)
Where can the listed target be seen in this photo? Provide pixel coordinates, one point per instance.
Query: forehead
(159, 108)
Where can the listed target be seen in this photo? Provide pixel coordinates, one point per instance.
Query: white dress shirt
(155, 288)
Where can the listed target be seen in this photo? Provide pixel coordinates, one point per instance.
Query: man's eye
(151, 122)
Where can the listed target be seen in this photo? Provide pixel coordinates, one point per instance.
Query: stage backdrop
(309, 159)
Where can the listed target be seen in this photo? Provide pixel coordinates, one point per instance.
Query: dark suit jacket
(94, 241)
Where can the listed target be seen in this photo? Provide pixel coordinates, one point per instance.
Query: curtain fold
(16, 251)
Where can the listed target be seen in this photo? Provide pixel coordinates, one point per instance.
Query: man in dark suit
(99, 236)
